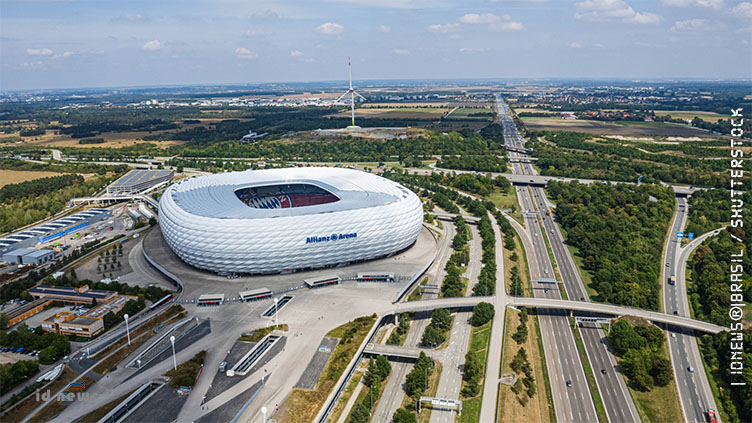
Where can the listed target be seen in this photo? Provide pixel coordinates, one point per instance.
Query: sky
(104, 43)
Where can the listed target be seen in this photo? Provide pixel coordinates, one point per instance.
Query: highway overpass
(396, 351)
(614, 310)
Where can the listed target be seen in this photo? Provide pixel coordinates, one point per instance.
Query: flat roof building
(19, 314)
(67, 323)
(82, 295)
(28, 256)
(51, 231)
(138, 180)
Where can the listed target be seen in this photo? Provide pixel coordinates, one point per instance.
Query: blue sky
(99, 43)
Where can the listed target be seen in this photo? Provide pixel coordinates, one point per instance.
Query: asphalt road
(571, 403)
(694, 390)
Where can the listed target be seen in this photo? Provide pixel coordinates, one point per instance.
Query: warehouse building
(138, 180)
(28, 256)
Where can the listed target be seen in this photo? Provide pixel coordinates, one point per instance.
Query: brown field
(8, 177)
(691, 114)
(112, 140)
(629, 129)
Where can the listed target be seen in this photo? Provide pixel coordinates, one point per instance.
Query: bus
(375, 277)
(324, 280)
(255, 294)
(211, 299)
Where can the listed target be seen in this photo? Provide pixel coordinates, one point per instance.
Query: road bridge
(548, 303)
(400, 351)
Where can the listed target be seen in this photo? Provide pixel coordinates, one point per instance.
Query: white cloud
(690, 25)
(152, 45)
(742, 10)
(474, 18)
(715, 4)
(39, 52)
(645, 18)
(384, 28)
(575, 45)
(255, 32)
(265, 14)
(443, 29)
(467, 50)
(296, 53)
(401, 51)
(507, 25)
(607, 10)
(599, 45)
(244, 53)
(330, 28)
(131, 18)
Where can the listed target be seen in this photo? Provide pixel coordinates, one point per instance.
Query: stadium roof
(214, 195)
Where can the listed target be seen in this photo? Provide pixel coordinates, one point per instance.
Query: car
(667, 264)
(676, 312)
(603, 371)
(673, 335)
(569, 383)
(691, 369)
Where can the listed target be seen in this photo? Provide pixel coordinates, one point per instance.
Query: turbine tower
(352, 93)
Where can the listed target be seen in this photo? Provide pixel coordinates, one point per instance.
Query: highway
(572, 403)
(616, 399)
(694, 390)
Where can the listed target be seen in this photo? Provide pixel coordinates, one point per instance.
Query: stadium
(285, 220)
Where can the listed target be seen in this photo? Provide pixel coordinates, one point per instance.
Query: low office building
(19, 314)
(115, 306)
(66, 294)
(67, 323)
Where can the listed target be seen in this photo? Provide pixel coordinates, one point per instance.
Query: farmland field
(690, 114)
(650, 129)
(8, 177)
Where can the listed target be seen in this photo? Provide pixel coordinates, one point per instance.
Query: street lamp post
(127, 330)
(263, 411)
(174, 361)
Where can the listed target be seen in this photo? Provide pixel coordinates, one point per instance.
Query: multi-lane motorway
(691, 380)
(571, 395)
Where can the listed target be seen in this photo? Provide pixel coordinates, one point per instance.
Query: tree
(403, 415)
(4, 321)
(360, 413)
(394, 338)
(383, 367)
(441, 319)
(482, 313)
(662, 372)
(432, 337)
(520, 336)
(623, 337)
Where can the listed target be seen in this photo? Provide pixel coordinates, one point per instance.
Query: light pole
(174, 362)
(263, 411)
(127, 331)
(276, 319)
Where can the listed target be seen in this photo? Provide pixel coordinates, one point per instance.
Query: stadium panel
(280, 220)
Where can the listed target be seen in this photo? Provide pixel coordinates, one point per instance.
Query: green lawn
(505, 200)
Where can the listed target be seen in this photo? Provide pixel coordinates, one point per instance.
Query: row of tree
(11, 375)
(50, 345)
(416, 384)
(642, 352)
(378, 371)
(36, 187)
(435, 333)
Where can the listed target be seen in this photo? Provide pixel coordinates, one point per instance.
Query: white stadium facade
(289, 219)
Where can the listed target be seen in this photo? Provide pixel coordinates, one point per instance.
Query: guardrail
(420, 273)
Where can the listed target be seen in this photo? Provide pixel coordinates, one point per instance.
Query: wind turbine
(352, 93)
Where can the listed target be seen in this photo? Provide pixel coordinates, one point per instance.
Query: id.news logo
(74, 392)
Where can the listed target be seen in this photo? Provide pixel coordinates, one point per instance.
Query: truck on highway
(548, 212)
(672, 280)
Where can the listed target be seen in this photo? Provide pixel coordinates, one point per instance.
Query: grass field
(479, 339)
(8, 177)
(505, 200)
(396, 113)
(303, 404)
(539, 408)
(651, 129)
